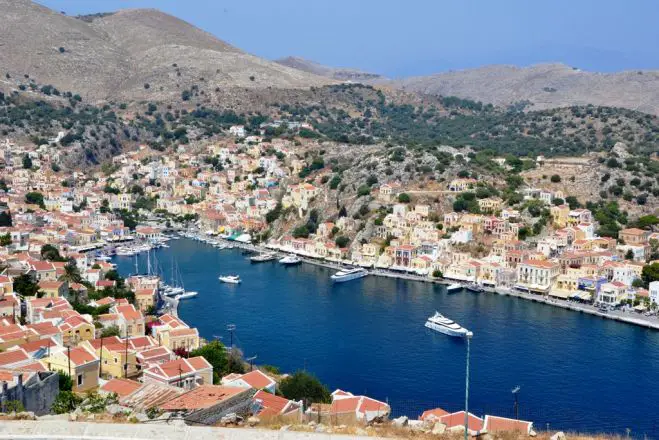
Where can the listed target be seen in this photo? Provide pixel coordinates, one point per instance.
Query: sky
(400, 38)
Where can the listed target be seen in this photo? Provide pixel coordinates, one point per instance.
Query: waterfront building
(536, 275)
(80, 363)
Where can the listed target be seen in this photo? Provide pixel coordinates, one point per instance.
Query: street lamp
(515, 392)
(468, 337)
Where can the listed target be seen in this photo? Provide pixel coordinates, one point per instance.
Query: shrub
(403, 198)
(302, 385)
(555, 178)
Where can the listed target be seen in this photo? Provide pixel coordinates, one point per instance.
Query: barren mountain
(337, 73)
(130, 54)
(544, 86)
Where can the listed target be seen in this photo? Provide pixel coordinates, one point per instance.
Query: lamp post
(468, 337)
(515, 392)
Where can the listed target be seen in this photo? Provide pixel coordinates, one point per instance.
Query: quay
(650, 322)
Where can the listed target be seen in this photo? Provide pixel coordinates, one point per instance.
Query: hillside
(130, 54)
(544, 86)
(337, 73)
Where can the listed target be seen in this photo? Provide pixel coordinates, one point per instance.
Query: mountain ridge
(136, 54)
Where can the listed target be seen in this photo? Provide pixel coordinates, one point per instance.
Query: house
(119, 386)
(266, 405)
(80, 363)
(116, 359)
(182, 373)
(456, 422)
(131, 321)
(54, 289)
(611, 294)
(634, 236)
(654, 292)
(536, 275)
(145, 299)
(254, 379)
(347, 408)
(75, 328)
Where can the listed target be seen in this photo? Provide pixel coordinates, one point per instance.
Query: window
(79, 379)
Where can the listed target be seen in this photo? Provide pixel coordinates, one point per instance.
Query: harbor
(294, 317)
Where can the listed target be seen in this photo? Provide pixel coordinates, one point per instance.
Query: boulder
(141, 417)
(400, 421)
(438, 428)
(115, 409)
(229, 419)
(285, 428)
(560, 435)
(360, 431)
(417, 425)
(253, 421)
(320, 428)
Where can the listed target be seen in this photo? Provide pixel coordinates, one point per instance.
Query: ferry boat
(442, 324)
(452, 288)
(231, 279)
(290, 260)
(349, 274)
(186, 295)
(268, 256)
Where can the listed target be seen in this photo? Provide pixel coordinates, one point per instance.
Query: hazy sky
(416, 37)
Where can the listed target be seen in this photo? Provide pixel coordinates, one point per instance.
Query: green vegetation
(302, 385)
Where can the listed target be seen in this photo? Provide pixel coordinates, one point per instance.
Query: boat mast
(137, 267)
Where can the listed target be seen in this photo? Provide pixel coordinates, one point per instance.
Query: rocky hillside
(337, 73)
(543, 86)
(128, 55)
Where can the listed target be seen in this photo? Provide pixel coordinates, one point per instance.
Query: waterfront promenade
(633, 318)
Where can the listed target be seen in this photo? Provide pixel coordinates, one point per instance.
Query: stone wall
(36, 395)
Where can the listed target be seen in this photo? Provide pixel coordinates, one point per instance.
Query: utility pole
(100, 364)
(468, 337)
(231, 328)
(251, 362)
(68, 355)
(126, 358)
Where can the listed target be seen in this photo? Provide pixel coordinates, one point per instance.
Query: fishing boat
(260, 258)
(290, 260)
(186, 295)
(231, 279)
(455, 287)
(349, 274)
(442, 324)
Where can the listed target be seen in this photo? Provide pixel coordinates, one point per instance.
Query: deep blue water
(576, 371)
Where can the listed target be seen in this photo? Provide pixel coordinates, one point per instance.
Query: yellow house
(491, 204)
(76, 329)
(145, 298)
(113, 354)
(54, 289)
(559, 215)
(78, 362)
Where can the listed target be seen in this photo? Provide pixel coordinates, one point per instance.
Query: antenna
(251, 362)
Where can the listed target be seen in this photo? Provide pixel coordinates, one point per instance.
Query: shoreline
(616, 315)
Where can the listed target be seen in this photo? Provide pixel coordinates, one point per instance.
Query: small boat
(268, 256)
(442, 324)
(290, 260)
(475, 288)
(454, 287)
(173, 291)
(186, 295)
(103, 257)
(349, 274)
(231, 279)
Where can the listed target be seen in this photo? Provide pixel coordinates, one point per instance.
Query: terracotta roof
(257, 379)
(13, 357)
(433, 413)
(80, 356)
(458, 419)
(201, 397)
(121, 387)
(502, 424)
(272, 405)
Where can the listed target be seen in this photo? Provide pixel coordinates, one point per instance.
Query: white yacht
(452, 288)
(186, 295)
(290, 260)
(349, 274)
(231, 279)
(267, 256)
(173, 290)
(440, 323)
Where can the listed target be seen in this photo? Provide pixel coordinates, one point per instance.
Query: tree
(65, 382)
(342, 241)
(66, 402)
(25, 285)
(629, 255)
(35, 198)
(302, 385)
(437, 273)
(555, 178)
(27, 162)
(403, 198)
(71, 273)
(113, 330)
(5, 240)
(51, 253)
(650, 273)
(215, 353)
(5, 218)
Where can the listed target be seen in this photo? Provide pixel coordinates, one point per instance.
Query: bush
(65, 382)
(302, 385)
(437, 274)
(66, 402)
(342, 241)
(403, 198)
(555, 178)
